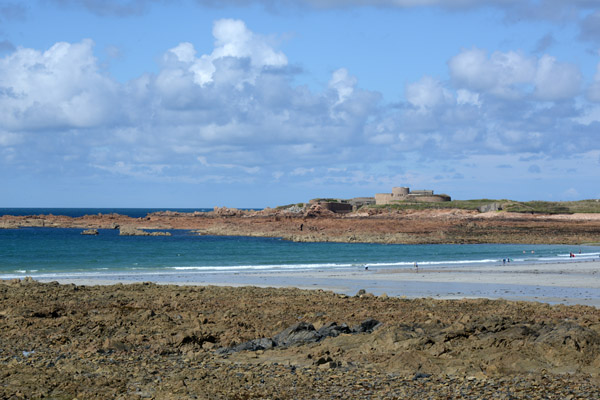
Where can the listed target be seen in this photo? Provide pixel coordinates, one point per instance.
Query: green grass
(454, 204)
(554, 207)
(532, 207)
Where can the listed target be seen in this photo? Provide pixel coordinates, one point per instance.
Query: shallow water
(64, 252)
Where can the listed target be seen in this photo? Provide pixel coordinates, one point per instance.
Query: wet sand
(571, 282)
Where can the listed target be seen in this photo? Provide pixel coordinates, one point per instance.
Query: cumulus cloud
(513, 75)
(428, 93)
(554, 80)
(233, 40)
(500, 74)
(506, 102)
(235, 111)
(60, 87)
(343, 84)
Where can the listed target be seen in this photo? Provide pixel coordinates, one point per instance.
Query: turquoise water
(57, 252)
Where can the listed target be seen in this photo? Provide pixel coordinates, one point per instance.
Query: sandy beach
(569, 282)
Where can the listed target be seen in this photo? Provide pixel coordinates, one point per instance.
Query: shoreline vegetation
(589, 206)
(451, 222)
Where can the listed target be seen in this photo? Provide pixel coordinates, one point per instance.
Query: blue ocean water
(58, 252)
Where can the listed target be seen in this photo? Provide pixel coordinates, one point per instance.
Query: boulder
(367, 326)
(300, 332)
(332, 329)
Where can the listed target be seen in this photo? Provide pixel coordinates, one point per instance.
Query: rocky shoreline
(152, 341)
(370, 226)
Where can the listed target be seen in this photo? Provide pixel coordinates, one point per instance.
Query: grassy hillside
(534, 207)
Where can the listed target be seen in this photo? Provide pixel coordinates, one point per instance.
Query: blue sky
(256, 103)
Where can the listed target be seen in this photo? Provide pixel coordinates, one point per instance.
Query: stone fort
(398, 194)
(404, 194)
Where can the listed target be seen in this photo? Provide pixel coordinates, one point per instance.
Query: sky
(260, 103)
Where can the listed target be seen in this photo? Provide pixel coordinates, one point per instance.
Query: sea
(63, 253)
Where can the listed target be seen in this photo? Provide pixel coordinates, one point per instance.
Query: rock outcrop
(158, 341)
(302, 333)
(371, 226)
(132, 231)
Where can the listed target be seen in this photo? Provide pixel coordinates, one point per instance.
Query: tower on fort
(402, 193)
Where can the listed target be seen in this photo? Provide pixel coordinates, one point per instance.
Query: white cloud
(555, 81)
(232, 40)
(302, 171)
(249, 170)
(512, 75)
(466, 97)
(500, 74)
(61, 87)
(428, 93)
(234, 114)
(343, 84)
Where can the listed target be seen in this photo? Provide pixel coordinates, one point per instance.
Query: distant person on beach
(416, 267)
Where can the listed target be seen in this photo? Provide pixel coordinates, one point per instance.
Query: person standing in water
(416, 267)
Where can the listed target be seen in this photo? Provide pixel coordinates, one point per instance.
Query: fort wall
(383, 198)
(399, 193)
(436, 198)
(336, 207)
(404, 194)
(422, 192)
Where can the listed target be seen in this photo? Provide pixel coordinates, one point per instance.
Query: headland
(316, 223)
